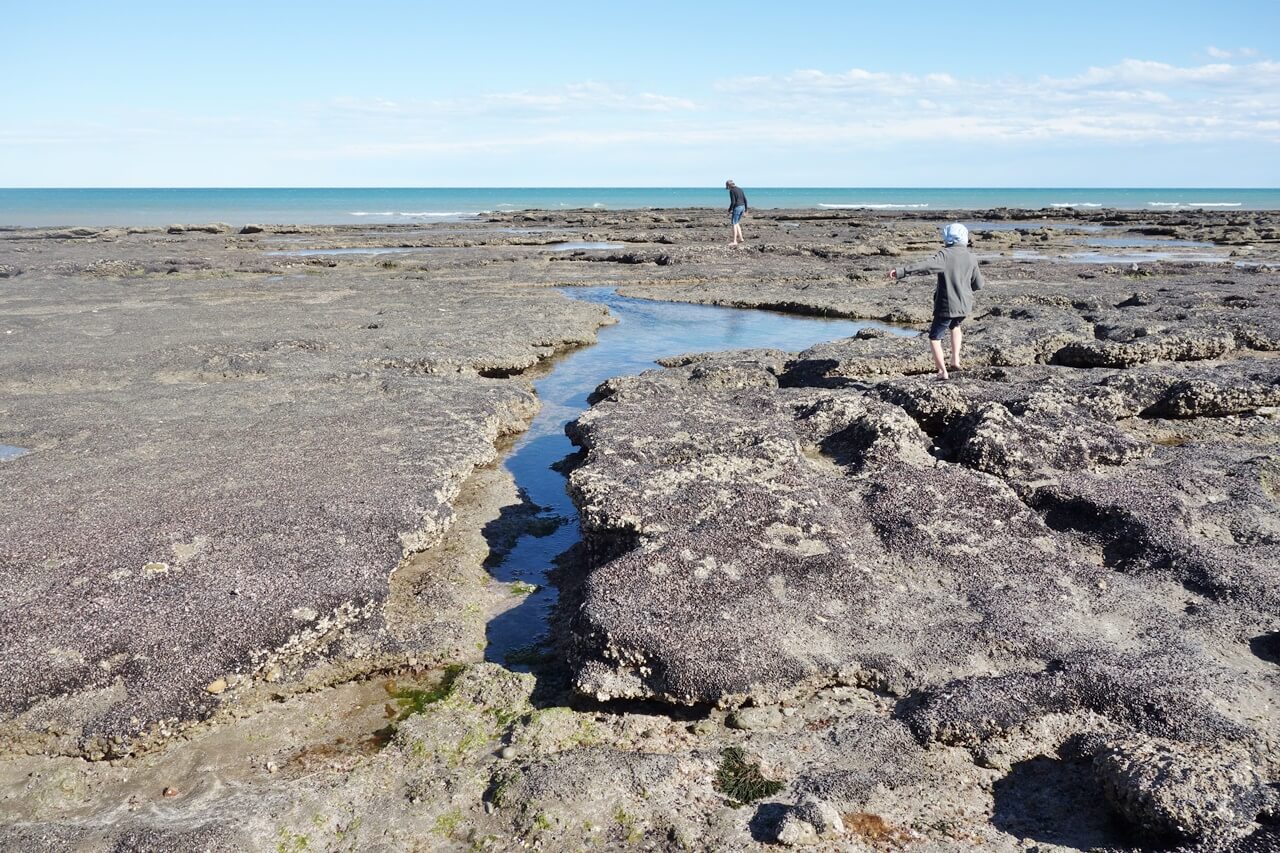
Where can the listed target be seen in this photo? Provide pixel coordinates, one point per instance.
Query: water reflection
(646, 331)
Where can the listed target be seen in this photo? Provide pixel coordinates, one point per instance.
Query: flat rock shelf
(646, 332)
(289, 563)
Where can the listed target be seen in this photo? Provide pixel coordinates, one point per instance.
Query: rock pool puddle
(646, 331)
(565, 246)
(1108, 257)
(581, 245)
(313, 253)
(1143, 243)
(9, 451)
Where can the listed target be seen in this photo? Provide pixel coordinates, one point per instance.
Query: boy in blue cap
(958, 277)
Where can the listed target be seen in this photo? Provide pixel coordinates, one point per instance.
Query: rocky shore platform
(250, 482)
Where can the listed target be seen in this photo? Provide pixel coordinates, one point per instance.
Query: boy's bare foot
(955, 366)
(941, 376)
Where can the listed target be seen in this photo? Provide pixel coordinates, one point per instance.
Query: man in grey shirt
(737, 207)
(958, 277)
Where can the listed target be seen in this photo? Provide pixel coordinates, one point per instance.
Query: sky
(858, 94)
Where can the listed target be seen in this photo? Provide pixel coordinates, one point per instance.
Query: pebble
(217, 686)
(755, 719)
(508, 752)
(169, 792)
(272, 767)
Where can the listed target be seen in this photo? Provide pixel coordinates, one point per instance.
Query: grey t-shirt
(958, 277)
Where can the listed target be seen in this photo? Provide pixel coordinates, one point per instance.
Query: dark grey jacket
(737, 198)
(958, 277)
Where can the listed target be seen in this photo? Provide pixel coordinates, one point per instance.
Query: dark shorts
(940, 326)
(737, 212)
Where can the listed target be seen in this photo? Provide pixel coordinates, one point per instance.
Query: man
(737, 207)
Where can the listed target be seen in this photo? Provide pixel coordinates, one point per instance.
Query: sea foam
(419, 214)
(857, 206)
(1070, 204)
(1195, 203)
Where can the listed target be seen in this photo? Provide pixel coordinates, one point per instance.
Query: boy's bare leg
(956, 339)
(936, 347)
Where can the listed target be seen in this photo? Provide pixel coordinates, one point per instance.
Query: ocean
(345, 206)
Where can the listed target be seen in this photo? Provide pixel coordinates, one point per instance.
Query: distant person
(737, 207)
(958, 277)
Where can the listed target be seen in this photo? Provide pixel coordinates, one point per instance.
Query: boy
(958, 278)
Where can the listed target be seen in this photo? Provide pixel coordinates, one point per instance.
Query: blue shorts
(940, 326)
(737, 212)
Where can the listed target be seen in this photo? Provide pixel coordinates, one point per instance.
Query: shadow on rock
(1055, 801)
(764, 824)
(1267, 646)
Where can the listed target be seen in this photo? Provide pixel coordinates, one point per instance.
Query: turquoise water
(645, 331)
(316, 206)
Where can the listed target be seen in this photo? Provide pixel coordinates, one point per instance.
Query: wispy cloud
(588, 97)
(1220, 53)
(1131, 101)
(810, 118)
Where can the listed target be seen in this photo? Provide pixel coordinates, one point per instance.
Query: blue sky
(658, 94)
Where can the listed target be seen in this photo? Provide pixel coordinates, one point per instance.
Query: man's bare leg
(936, 347)
(956, 339)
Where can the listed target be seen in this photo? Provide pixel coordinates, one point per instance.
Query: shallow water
(1031, 225)
(645, 331)
(1142, 242)
(580, 245)
(1109, 257)
(379, 250)
(8, 451)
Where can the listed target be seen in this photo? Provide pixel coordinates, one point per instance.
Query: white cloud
(803, 118)
(588, 97)
(1218, 53)
(1131, 101)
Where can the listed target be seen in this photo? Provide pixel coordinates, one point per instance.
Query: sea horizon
(153, 206)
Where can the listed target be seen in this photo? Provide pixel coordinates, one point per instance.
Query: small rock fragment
(809, 821)
(755, 719)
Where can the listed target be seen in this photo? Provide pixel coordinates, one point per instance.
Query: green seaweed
(500, 786)
(416, 700)
(447, 824)
(292, 842)
(741, 780)
(627, 822)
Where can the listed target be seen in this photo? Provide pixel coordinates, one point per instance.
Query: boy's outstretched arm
(978, 280)
(932, 265)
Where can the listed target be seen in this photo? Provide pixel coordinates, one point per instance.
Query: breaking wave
(1070, 204)
(857, 206)
(1195, 204)
(422, 214)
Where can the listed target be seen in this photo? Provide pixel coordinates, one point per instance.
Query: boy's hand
(893, 274)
